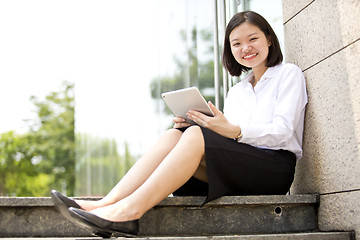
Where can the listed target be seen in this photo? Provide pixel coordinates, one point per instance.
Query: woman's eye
(236, 44)
(253, 39)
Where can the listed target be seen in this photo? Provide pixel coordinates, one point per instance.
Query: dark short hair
(275, 56)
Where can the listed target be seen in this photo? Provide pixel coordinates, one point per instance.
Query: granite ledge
(180, 201)
(31, 201)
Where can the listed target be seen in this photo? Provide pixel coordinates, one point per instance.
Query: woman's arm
(288, 113)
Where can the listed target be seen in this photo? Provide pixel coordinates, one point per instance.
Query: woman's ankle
(88, 205)
(130, 211)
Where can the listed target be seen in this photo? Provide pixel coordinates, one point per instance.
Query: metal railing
(220, 21)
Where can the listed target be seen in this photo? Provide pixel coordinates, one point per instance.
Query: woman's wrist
(238, 135)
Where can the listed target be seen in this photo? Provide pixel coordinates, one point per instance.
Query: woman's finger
(215, 110)
(179, 120)
(198, 117)
(180, 125)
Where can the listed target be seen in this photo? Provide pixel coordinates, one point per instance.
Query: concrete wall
(323, 38)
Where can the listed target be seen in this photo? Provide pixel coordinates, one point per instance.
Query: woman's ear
(269, 40)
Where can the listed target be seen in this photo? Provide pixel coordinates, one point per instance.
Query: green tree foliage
(33, 163)
(53, 136)
(17, 171)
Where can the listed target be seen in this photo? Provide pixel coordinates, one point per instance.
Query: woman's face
(249, 46)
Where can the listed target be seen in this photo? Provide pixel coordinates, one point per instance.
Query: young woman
(251, 149)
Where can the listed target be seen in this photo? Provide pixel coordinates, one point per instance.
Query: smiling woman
(250, 47)
(252, 42)
(250, 149)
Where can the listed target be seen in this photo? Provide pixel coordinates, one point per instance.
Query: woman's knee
(195, 129)
(194, 133)
(173, 132)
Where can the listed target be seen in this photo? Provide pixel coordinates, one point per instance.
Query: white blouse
(270, 115)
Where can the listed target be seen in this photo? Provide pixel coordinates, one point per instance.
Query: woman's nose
(246, 48)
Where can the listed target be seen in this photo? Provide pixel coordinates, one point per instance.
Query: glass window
(97, 70)
(119, 115)
(107, 62)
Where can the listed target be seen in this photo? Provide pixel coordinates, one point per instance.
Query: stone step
(281, 236)
(175, 216)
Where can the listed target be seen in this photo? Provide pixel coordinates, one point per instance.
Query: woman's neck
(258, 72)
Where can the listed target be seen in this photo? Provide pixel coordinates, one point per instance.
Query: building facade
(323, 38)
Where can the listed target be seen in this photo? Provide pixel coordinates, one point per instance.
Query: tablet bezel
(182, 100)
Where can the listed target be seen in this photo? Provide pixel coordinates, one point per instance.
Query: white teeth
(249, 56)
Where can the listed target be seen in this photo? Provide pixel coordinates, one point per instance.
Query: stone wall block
(340, 211)
(293, 7)
(323, 38)
(321, 29)
(331, 144)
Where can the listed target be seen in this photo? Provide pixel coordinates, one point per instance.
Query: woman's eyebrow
(251, 34)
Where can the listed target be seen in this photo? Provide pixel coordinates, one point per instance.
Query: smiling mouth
(250, 56)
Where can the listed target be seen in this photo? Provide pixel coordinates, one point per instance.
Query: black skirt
(240, 169)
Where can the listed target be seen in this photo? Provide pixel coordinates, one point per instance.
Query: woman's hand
(218, 123)
(180, 122)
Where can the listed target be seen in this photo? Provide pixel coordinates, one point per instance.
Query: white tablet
(183, 100)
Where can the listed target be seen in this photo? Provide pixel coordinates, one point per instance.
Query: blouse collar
(269, 73)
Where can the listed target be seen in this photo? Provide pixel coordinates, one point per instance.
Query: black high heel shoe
(103, 227)
(62, 204)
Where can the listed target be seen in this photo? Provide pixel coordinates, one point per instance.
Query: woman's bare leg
(138, 173)
(201, 171)
(177, 167)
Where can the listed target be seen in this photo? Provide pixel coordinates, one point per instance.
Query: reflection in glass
(123, 118)
(119, 57)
